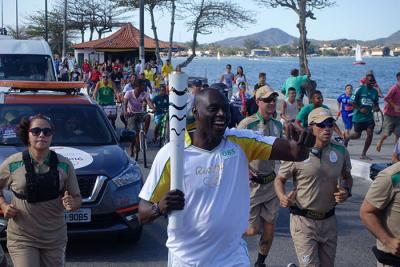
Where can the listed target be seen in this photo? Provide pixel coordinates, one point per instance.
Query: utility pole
(2, 15)
(16, 17)
(46, 22)
(141, 26)
(64, 30)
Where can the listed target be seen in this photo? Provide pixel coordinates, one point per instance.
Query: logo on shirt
(211, 175)
(333, 156)
(366, 101)
(212, 181)
(209, 170)
(229, 153)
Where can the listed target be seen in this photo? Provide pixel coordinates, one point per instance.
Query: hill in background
(270, 37)
(276, 37)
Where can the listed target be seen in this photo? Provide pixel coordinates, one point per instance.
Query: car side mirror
(127, 136)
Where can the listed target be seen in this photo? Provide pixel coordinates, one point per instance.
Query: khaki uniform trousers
(314, 240)
(27, 256)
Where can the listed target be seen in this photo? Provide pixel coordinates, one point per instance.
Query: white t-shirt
(128, 87)
(217, 200)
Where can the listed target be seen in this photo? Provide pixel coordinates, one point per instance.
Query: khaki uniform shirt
(270, 127)
(264, 127)
(40, 224)
(316, 179)
(384, 194)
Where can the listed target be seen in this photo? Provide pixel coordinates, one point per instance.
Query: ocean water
(330, 73)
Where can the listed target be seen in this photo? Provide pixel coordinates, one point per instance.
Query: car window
(26, 67)
(79, 125)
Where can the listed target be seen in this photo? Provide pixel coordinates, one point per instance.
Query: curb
(360, 170)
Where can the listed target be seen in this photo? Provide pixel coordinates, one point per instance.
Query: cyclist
(133, 102)
(94, 78)
(105, 93)
(161, 102)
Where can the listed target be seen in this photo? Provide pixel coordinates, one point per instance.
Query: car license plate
(78, 216)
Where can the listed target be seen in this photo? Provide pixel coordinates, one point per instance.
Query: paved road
(353, 248)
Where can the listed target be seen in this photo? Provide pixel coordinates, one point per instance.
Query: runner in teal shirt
(365, 101)
(302, 116)
(295, 81)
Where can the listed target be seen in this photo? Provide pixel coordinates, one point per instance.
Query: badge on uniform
(333, 156)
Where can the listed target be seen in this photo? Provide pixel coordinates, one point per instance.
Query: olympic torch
(178, 82)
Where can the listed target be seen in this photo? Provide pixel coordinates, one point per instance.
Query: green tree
(251, 44)
(303, 9)
(202, 16)
(36, 28)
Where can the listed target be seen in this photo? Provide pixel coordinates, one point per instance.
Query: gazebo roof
(127, 37)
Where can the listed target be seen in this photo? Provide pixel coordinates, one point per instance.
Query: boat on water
(218, 55)
(359, 60)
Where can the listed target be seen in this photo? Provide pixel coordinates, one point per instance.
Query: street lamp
(46, 22)
(64, 30)
(16, 17)
(141, 26)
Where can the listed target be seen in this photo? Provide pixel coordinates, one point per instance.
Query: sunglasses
(268, 100)
(46, 131)
(104, 77)
(325, 124)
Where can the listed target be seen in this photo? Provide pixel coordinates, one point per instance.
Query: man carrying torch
(215, 203)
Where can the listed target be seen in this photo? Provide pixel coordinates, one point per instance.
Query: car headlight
(130, 175)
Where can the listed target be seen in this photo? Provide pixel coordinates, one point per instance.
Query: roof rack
(22, 86)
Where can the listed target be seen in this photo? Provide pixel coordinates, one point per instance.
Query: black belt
(311, 214)
(263, 179)
(386, 258)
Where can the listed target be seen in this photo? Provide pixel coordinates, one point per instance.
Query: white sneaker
(291, 265)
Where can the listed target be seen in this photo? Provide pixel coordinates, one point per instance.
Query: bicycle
(142, 144)
(378, 119)
(164, 130)
(111, 112)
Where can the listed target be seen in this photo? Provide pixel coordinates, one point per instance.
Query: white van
(26, 60)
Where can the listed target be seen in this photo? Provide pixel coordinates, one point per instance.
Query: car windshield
(75, 125)
(26, 67)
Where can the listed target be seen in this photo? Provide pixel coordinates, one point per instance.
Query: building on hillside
(327, 47)
(396, 51)
(123, 45)
(260, 53)
(377, 52)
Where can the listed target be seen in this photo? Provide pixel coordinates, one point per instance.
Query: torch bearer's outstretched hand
(172, 200)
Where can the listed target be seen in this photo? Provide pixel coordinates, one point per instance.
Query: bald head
(203, 96)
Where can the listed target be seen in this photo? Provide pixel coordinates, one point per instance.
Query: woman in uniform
(43, 186)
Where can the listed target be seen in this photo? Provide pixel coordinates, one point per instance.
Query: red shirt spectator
(95, 75)
(86, 67)
(393, 97)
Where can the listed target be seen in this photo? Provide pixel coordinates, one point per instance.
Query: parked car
(109, 180)
(375, 168)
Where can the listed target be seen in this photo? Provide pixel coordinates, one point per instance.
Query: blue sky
(356, 19)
